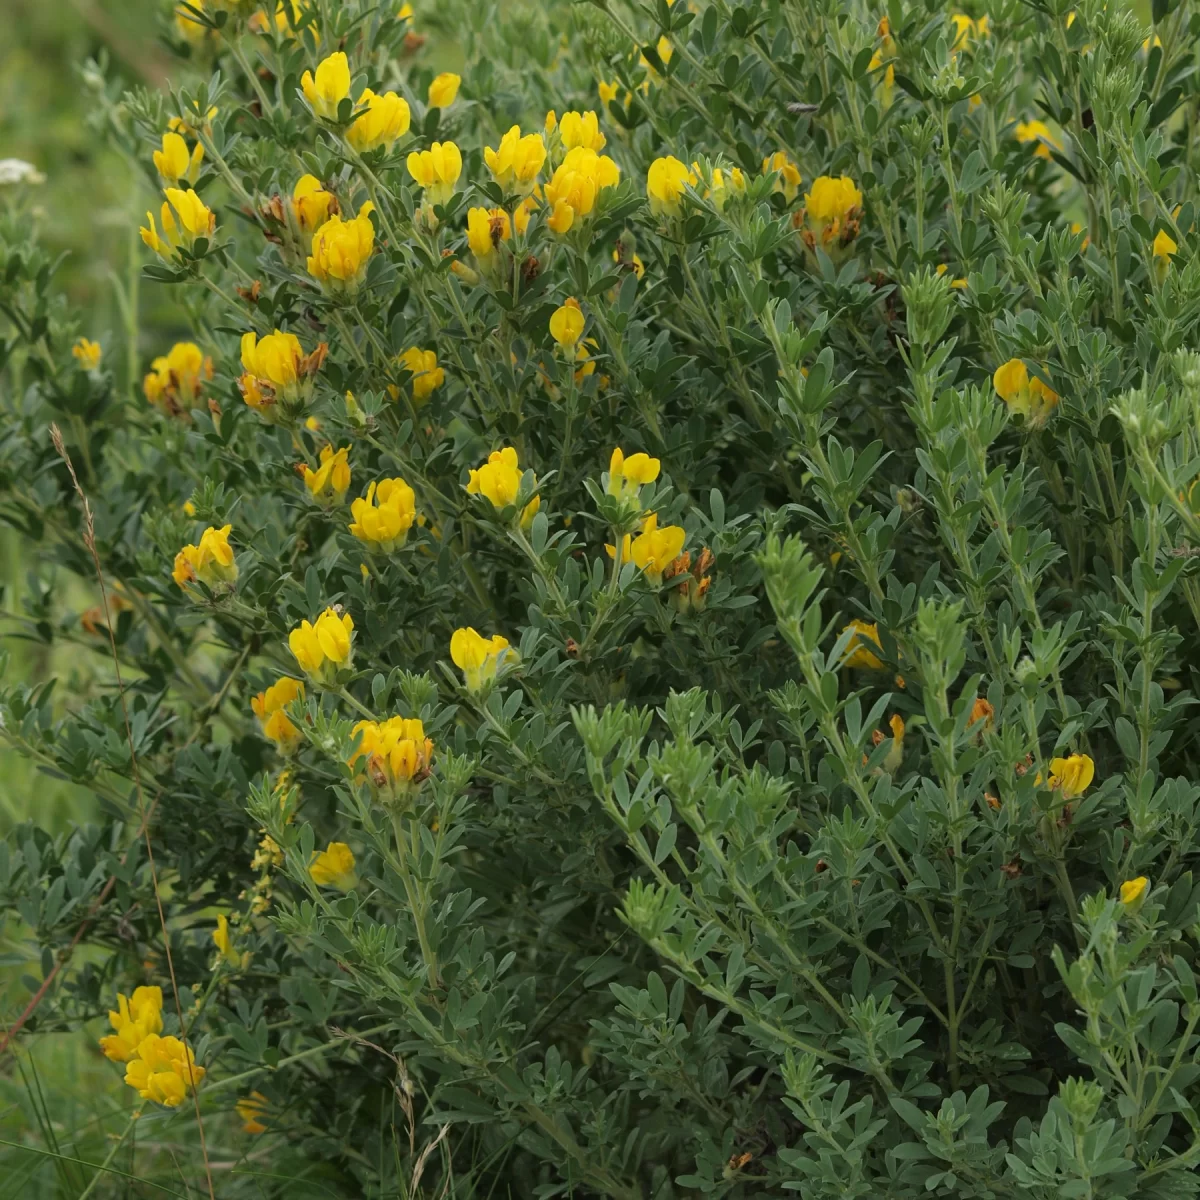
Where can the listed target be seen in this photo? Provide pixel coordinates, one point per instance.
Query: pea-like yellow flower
(1038, 133)
(177, 378)
(1164, 248)
(175, 163)
(517, 162)
(665, 184)
(165, 1071)
(427, 376)
(87, 354)
(211, 562)
(523, 212)
(334, 867)
(1072, 776)
(136, 1018)
(1132, 890)
(253, 1109)
(832, 212)
(386, 120)
(287, 17)
(312, 205)
(486, 229)
(443, 91)
(269, 708)
(185, 220)
(477, 657)
(726, 182)
(967, 30)
(499, 480)
(566, 324)
(223, 940)
(325, 648)
(626, 476)
(382, 520)
(550, 124)
(278, 374)
(608, 91)
(436, 170)
(398, 757)
(1025, 395)
(857, 652)
(654, 549)
(329, 483)
(581, 129)
(572, 191)
(329, 87)
(341, 250)
(665, 51)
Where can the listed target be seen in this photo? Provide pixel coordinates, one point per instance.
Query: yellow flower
(486, 229)
(665, 183)
(334, 867)
(188, 26)
(1164, 247)
(566, 324)
(135, 1019)
(832, 212)
(330, 87)
(665, 50)
(499, 480)
(627, 475)
(581, 129)
(571, 193)
(177, 378)
(325, 648)
(967, 31)
(269, 707)
(277, 373)
(550, 124)
(724, 181)
(1072, 776)
(87, 354)
(287, 17)
(1132, 890)
(427, 376)
(211, 562)
(654, 549)
(788, 181)
(386, 121)
(165, 1071)
(340, 250)
(384, 526)
(1037, 132)
(312, 204)
(399, 757)
(608, 91)
(436, 170)
(443, 91)
(329, 483)
(857, 654)
(518, 161)
(185, 220)
(173, 162)
(223, 940)
(477, 657)
(954, 283)
(252, 1109)
(1029, 397)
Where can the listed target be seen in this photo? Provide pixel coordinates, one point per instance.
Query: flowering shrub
(698, 517)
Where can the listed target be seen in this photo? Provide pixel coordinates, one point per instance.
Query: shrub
(657, 644)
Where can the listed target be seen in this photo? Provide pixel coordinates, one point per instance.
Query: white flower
(17, 170)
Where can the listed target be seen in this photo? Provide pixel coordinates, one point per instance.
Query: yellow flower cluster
(341, 250)
(398, 757)
(575, 186)
(788, 174)
(858, 653)
(832, 212)
(383, 518)
(653, 550)
(252, 1109)
(334, 867)
(427, 376)
(323, 649)
(385, 122)
(276, 382)
(499, 480)
(581, 130)
(161, 1069)
(87, 354)
(269, 708)
(211, 562)
(177, 378)
(516, 163)
(477, 657)
(1025, 395)
(1037, 134)
(436, 170)
(185, 220)
(328, 484)
(312, 205)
